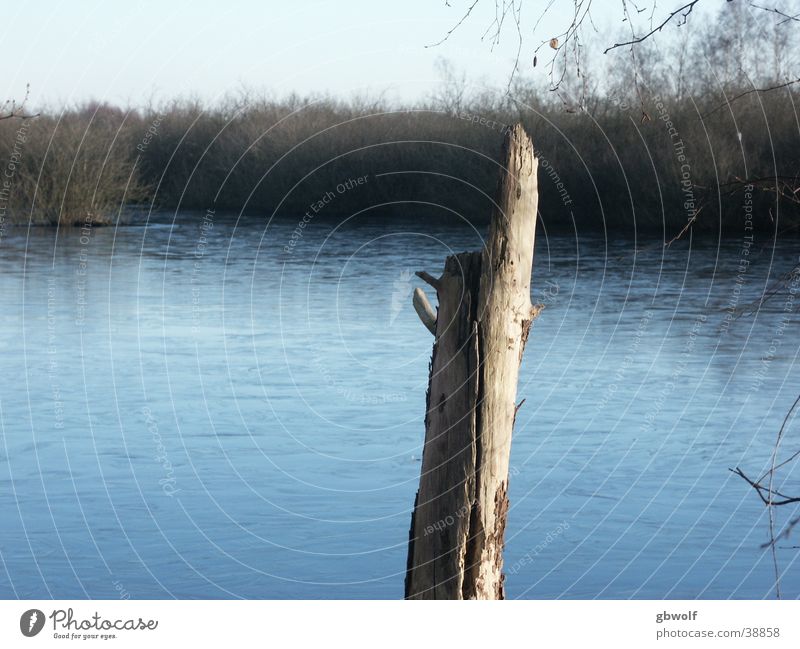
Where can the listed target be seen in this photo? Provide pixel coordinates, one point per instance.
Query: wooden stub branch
(485, 314)
(424, 310)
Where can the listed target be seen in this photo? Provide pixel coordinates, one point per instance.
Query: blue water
(191, 412)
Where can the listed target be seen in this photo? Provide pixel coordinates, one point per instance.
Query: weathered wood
(483, 321)
(424, 310)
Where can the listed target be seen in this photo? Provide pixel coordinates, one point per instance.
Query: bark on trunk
(483, 320)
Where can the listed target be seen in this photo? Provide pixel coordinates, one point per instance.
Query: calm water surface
(196, 412)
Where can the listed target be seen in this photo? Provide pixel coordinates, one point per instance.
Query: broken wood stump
(483, 320)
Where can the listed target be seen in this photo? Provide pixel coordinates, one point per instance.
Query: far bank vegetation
(656, 145)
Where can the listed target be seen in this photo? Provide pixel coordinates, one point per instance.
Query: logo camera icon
(31, 622)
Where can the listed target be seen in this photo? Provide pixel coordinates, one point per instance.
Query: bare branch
(683, 12)
(10, 109)
(457, 25)
(784, 534)
(777, 11)
(748, 92)
(686, 227)
(761, 490)
(767, 495)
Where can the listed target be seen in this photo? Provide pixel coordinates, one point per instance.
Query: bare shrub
(75, 168)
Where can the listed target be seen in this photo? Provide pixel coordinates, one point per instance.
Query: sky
(131, 53)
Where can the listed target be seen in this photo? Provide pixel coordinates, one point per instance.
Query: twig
(745, 93)
(16, 111)
(457, 25)
(769, 500)
(517, 407)
(778, 440)
(688, 225)
(684, 12)
(761, 489)
(770, 292)
(786, 16)
(771, 512)
(784, 534)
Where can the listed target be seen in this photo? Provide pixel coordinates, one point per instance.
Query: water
(199, 413)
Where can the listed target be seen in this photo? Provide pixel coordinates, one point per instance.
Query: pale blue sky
(127, 52)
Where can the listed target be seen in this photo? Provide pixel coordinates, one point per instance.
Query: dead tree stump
(484, 316)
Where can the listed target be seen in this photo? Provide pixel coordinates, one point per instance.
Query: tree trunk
(483, 320)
